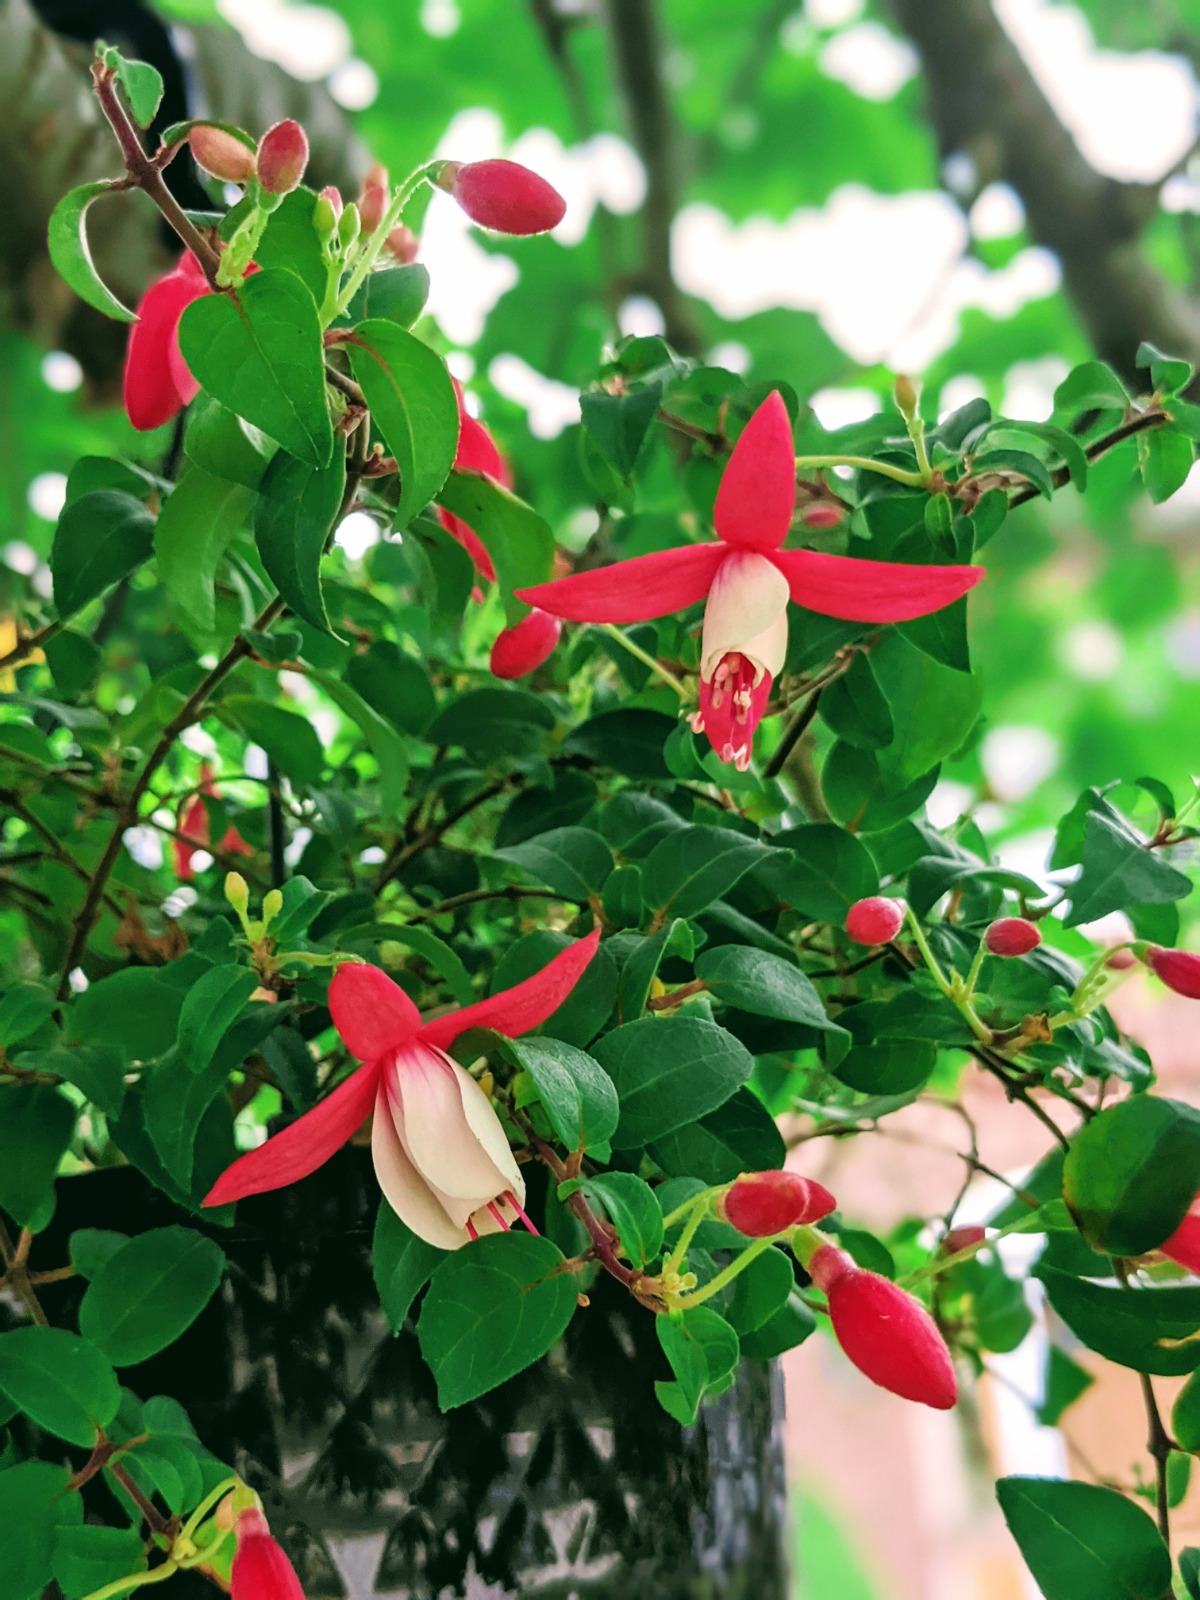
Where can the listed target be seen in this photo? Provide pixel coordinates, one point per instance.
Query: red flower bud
(333, 194)
(889, 1336)
(261, 1571)
(821, 516)
(761, 1204)
(1178, 969)
(521, 649)
(503, 195)
(1121, 960)
(963, 1239)
(221, 154)
(1184, 1244)
(373, 201)
(403, 244)
(876, 920)
(1012, 936)
(282, 157)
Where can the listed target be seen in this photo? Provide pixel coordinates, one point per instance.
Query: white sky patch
(837, 408)
(357, 533)
(355, 84)
(731, 355)
(198, 741)
(255, 762)
(551, 406)
(1029, 387)
(957, 391)
(871, 60)
(639, 315)
(20, 557)
(145, 845)
(1092, 650)
(948, 802)
(61, 372)
(1133, 115)
(47, 495)
(1028, 853)
(1017, 758)
(440, 18)
(308, 41)
(997, 213)
(832, 13)
(1182, 640)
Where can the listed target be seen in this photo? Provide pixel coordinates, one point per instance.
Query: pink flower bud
(373, 201)
(821, 516)
(761, 1204)
(282, 157)
(261, 1571)
(1012, 936)
(963, 1239)
(888, 1335)
(521, 649)
(221, 154)
(402, 244)
(1184, 1244)
(876, 920)
(1178, 969)
(503, 195)
(333, 194)
(1121, 960)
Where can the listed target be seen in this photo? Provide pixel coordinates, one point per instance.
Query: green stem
(685, 1302)
(206, 1505)
(973, 975)
(914, 480)
(952, 987)
(376, 241)
(927, 955)
(682, 1211)
(699, 1212)
(135, 1580)
(655, 666)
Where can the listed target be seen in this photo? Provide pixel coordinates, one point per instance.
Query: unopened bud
(326, 211)
(373, 201)
(1178, 969)
(762, 1204)
(282, 157)
(503, 195)
(1184, 1244)
(521, 649)
(222, 154)
(876, 920)
(1121, 959)
(966, 1238)
(266, 997)
(348, 226)
(1012, 936)
(906, 395)
(821, 516)
(237, 892)
(889, 1336)
(272, 905)
(261, 1570)
(402, 244)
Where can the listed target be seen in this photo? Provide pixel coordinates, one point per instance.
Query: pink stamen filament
(499, 1215)
(472, 1229)
(520, 1210)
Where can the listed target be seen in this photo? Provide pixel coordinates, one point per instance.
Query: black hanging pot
(569, 1480)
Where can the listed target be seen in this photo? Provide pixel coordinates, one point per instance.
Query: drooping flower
(889, 1336)
(1178, 969)
(503, 195)
(477, 452)
(521, 649)
(762, 1204)
(441, 1156)
(1012, 936)
(875, 920)
(747, 579)
(261, 1569)
(193, 833)
(157, 383)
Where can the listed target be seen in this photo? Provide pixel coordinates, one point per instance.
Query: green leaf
(396, 294)
(1132, 1173)
(35, 1511)
(760, 1292)
(90, 1557)
(577, 1094)
(1029, 466)
(97, 1069)
(92, 1247)
(142, 85)
(195, 528)
(1094, 386)
(258, 351)
(855, 708)
(740, 1136)
(293, 521)
(1064, 1382)
(148, 1292)
(1119, 872)
(621, 424)
(860, 793)
(518, 540)
(98, 541)
(692, 867)
(1185, 1415)
(289, 739)
(491, 1310)
(136, 1010)
(223, 445)
(413, 404)
(66, 240)
(790, 1326)
(402, 1264)
(1080, 1539)
(764, 984)
(1189, 1571)
(36, 1126)
(395, 684)
(668, 1071)
(933, 708)
(821, 870)
(703, 1351)
(1166, 457)
(1168, 374)
(440, 956)
(210, 1008)
(291, 242)
(629, 741)
(386, 744)
(63, 1383)
(493, 724)
(1148, 1329)
(574, 862)
(23, 1010)
(630, 1206)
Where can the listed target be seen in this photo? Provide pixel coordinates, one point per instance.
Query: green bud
(324, 218)
(348, 226)
(237, 892)
(272, 906)
(906, 394)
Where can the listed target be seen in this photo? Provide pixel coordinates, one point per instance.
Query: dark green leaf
(293, 522)
(1166, 457)
(402, 1264)
(1094, 386)
(413, 404)
(35, 1511)
(692, 867)
(148, 1292)
(395, 684)
(88, 1558)
(288, 738)
(36, 1125)
(574, 862)
(1132, 1173)
(621, 424)
(1079, 1539)
(855, 708)
(66, 240)
(1148, 1329)
(767, 985)
(63, 1383)
(668, 1071)
(397, 294)
(195, 528)
(1119, 872)
(760, 1292)
(822, 870)
(210, 1008)
(632, 1209)
(98, 541)
(576, 1092)
(23, 1010)
(629, 741)
(740, 1136)
(703, 1351)
(386, 744)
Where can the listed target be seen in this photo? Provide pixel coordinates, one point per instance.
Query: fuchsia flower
(747, 580)
(193, 830)
(441, 1156)
(157, 382)
(1184, 1244)
(503, 195)
(1012, 936)
(261, 1570)
(1178, 969)
(875, 920)
(477, 452)
(762, 1204)
(521, 649)
(889, 1336)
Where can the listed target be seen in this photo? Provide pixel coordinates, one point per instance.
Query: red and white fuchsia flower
(157, 383)
(193, 832)
(747, 579)
(441, 1156)
(503, 195)
(261, 1570)
(762, 1204)
(889, 1336)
